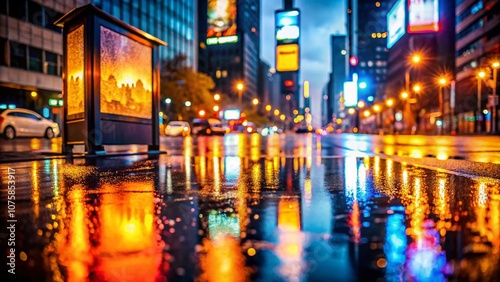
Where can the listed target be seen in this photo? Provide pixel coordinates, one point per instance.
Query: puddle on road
(239, 219)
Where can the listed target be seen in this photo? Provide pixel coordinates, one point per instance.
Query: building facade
(477, 47)
(372, 49)
(337, 77)
(31, 46)
(231, 56)
(434, 45)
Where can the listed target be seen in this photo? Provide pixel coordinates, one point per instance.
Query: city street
(241, 207)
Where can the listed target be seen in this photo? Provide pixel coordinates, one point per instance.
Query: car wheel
(49, 133)
(9, 132)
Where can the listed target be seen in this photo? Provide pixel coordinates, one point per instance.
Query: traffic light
(288, 83)
(353, 61)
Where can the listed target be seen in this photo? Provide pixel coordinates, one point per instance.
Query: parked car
(209, 126)
(178, 128)
(22, 122)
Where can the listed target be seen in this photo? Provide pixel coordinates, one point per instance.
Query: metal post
(240, 97)
(494, 115)
(441, 108)
(406, 112)
(478, 123)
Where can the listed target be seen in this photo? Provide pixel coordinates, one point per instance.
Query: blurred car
(250, 128)
(209, 126)
(26, 123)
(178, 128)
(304, 129)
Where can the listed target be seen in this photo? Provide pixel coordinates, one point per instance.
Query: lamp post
(495, 66)
(389, 103)
(240, 87)
(442, 83)
(415, 59)
(480, 76)
(168, 101)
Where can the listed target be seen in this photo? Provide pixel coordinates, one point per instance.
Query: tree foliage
(180, 83)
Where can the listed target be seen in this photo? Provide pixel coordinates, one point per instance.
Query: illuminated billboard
(221, 22)
(396, 23)
(350, 94)
(287, 57)
(232, 114)
(423, 16)
(287, 26)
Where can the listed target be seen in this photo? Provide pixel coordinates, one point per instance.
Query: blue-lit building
(31, 46)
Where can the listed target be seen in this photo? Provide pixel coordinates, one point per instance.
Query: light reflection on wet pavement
(231, 212)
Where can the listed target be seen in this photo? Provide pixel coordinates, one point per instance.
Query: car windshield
(200, 123)
(176, 124)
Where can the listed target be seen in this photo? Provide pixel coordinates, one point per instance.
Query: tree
(180, 83)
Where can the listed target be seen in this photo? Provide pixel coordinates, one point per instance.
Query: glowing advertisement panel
(350, 94)
(287, 26)
(287, 57)
(221, 21)
(232, 114)
(76, 91)
(423, 16)
(396, 23)
(126, 76)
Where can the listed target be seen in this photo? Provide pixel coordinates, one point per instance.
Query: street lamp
(268, 108)
(417, 88)
(216, 108)
(404, 95)
(187, 104)
(361, 104)
(351, 111)
(276, 112)
(255, 101)
(495, 66)
(217, 97)
(201, 113)
(389, 102)
(442, 83)
(240, 87)
(480, 76)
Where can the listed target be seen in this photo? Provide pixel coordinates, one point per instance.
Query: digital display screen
(233, 114)
(396, 23)
(423, 16)
(287, 57)
(350, 94)
(287, 26)
(221, 21)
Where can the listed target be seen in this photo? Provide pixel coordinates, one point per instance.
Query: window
(26, 115)
(470, 29)
(3, 8)
(17, 55)
(35, 59)
(35, 13)
(50, 17)
(51, 63)
(474, 8)
(3, 44)
(17, 9)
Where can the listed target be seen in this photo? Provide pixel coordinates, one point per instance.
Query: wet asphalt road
(240, 208)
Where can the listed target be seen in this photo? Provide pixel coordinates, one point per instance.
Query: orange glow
(354, 222)
(216, 108)
(268, 108)
(276, 112)
(366, 113)
(404, 95)
(351, 111)
(134, 267)
(75, 80)
(240, 86)
(201, 113)
(255, 101)
(481, 74)
(126, 76)
(442, 81)
(417, 88)
(223, 261)
(376, 108)
(389, 102)
(289, 214)
(361, 104)
(416, 58)
(217, 97)
(127, 219)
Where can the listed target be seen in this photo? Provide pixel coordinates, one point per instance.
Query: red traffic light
(353, 60)
(288, 83)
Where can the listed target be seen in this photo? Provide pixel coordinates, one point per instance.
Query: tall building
(230, 54)
(338, 76)
(477, 45)
(372, 48)
(31, 46)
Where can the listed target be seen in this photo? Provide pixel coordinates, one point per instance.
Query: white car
(177, 128)
(22, 122)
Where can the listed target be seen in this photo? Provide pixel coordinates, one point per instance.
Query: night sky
(319, 19)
